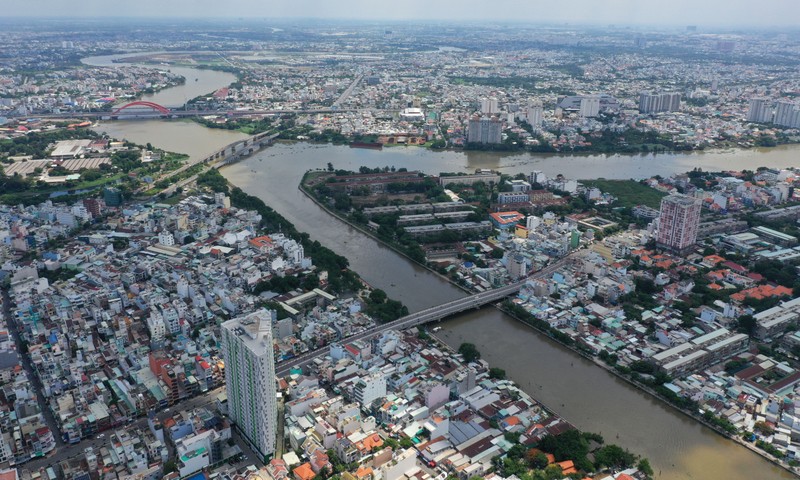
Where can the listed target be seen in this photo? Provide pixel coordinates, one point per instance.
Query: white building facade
(250, 378)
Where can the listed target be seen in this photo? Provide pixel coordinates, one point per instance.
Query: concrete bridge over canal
(427, 315)
(224, 156)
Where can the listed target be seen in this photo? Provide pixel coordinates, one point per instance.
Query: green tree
(377, 296)
(170, 466)
(497, 373)
(536, 459)
(747, 324)
(614, 456)
(469, 352)
(644, 467)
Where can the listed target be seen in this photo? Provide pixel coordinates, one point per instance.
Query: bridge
(165, 112)
(427, 315)
(141, 103)
(224, 156)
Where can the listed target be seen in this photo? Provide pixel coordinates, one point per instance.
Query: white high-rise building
(250, 378)
(760, 111)
(787, 114)
(489, 105)
(535, 114)
(659, 102)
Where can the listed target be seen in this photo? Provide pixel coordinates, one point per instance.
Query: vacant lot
(628, 192)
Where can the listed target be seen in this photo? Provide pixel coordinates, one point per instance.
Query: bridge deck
(431, 314)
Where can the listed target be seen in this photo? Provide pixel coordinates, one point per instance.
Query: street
(26, 364)
(69, 451)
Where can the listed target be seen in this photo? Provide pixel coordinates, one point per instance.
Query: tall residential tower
(250, 378)
(760, 111)
(678, 222)
(485, 130)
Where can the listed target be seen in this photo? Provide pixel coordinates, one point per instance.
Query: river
(198, 81)
(581, 392)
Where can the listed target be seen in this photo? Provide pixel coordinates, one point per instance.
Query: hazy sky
(648, 12)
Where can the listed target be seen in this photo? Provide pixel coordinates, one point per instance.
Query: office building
(760, 111)
(677, 223)
(250, 378)
(659, 102)
(484, 130)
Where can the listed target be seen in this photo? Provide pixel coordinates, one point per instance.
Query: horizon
(628, 13)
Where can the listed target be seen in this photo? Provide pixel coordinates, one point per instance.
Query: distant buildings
(659, 102)
(485, 130)
(573, 103)
(677, 222)
(250, 378)
(785, 113)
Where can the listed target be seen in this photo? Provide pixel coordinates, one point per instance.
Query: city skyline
(738, 13)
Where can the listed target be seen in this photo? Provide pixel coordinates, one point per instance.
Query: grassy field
(628, 192)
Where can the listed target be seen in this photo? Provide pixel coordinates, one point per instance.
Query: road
(424, 316)
(69, 451)
(49, 418)
(347, 92)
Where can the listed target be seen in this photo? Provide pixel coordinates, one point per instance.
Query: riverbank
(647, 389)
(515, 152)
(444, 345)
(549, 334)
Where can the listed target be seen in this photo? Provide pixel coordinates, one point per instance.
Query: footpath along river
(584, 394)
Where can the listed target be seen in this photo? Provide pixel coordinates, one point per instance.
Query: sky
(755, 13)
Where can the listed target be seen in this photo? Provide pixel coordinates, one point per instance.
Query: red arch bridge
(142, 103)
